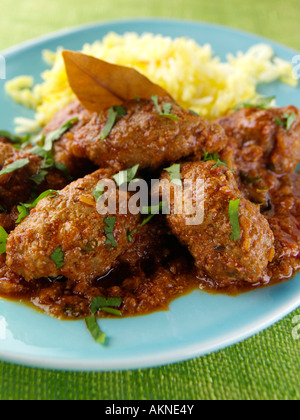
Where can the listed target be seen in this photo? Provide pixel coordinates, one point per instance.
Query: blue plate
(196, 324)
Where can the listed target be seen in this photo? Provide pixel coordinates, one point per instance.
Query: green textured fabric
(263, 367)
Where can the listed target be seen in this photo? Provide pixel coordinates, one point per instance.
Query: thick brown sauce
(148, 288)
(148, 279)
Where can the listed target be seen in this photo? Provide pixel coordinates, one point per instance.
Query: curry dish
(62, 253)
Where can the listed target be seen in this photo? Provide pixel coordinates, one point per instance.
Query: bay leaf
(100, 85)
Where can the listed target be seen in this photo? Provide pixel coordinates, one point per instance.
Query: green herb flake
(23, 212)
(58, 257)
(112, 311)
(98, 191)
(194, 113)
(125, 177)
(167, 108)
(153, 210)
(121, 111)
(12, 137)
(55, 135)
(3, 240)
(111, 120)
(18, 164)
(286, 120)
(45, 194)
(109, 231)
(94, 329)
(214, 156)
(174, 173)
(40, 177)
(24, 208)
(262, 102)
(48, 163)
(100, 303)
(114, 113)
(233, 212)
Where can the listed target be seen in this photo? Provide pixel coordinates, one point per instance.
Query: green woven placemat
(276, 19)
(263, 367)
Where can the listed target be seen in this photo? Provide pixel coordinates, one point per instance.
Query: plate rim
(167, 358)
(186, 352)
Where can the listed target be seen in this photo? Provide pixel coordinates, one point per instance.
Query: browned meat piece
(224, 260)
(284, 221)
(143, 137)
(11, 284)
(263, 138)
(70, 227)
(17, 186)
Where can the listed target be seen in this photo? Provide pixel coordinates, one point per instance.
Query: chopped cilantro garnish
(121, 111)
(101, 304)
(286, 120)
(113, 114)
(153, 210)
(174, 173)
(94, 329)
(98, 191)
(48, 163)
(58, 257)
(111, 311)
(261, 102)
(233, 212)
(40, 177)
(12, 137)
(2, 209)
(55, 135)
(18, 164)
(23, 212)
(47, 156)
(109, 231)
(111, 120)
(24, 208)
(194, 113)
(125, 177)
(129, 235)
(167, 108)
(215, 157)
(3, 240)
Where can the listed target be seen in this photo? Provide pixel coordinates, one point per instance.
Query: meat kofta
(20, 181)
(18, 170)
(66, 235)
(224, 259)
(16, 184)
(143, 135)
(264, 138)
(261, 144)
